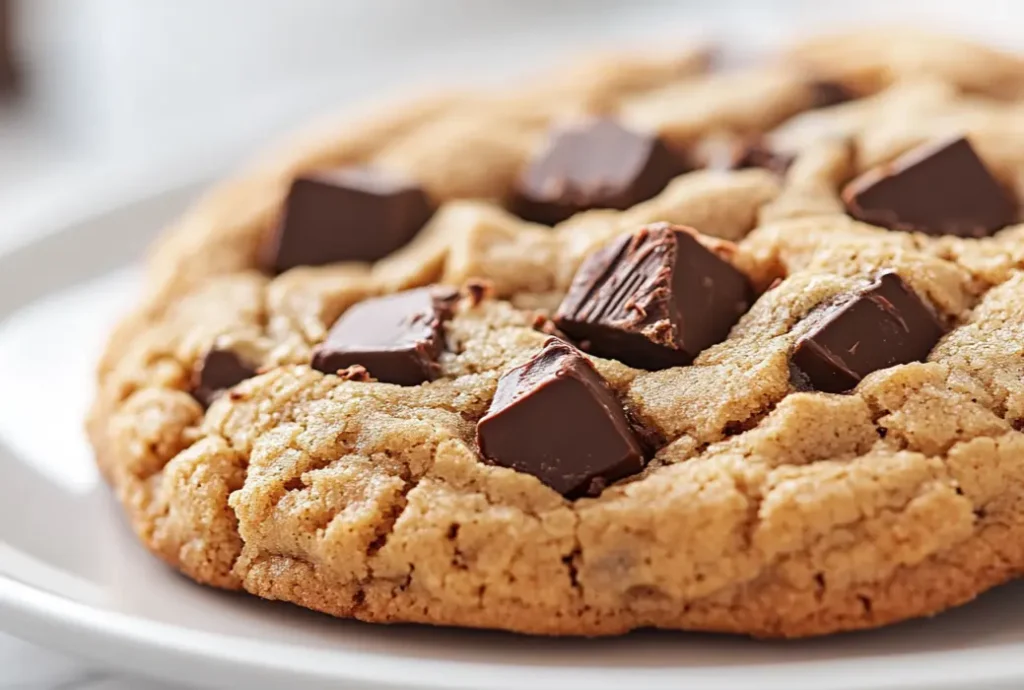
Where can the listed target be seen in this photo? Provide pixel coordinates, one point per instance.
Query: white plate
(72, 577)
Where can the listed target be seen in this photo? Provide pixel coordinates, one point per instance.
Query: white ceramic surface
(72, 577)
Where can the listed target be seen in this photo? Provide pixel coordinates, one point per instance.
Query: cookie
(641, 344)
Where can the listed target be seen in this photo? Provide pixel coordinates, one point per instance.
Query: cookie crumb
(356, 372)
(543, 323)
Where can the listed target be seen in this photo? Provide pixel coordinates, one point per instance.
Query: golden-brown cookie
(802, 418)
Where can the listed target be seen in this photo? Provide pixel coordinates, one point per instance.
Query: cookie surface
(846, 455)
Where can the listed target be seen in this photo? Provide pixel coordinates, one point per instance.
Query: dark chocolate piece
(348, 214)
(940, 188)
(654, 299)
(879, 326)
(397, 338)
(598, 163)
(216, 372)
(554, 417)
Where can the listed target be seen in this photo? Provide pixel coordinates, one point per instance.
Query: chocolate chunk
(397, 338)
(348, 214)
(654, 299)
(829, 93)
(595, 164)
(879, 326)
(941, 188)
(554, 417)
(218, 371)
(729, 152)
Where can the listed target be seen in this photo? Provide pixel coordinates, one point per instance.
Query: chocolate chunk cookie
(634, 344)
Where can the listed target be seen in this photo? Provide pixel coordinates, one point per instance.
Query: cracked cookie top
(733, 351)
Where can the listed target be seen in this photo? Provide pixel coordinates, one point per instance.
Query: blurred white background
(114, 84)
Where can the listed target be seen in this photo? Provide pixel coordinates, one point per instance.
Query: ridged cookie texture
(766, 507)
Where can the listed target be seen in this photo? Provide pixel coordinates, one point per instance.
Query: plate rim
(219, 654)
